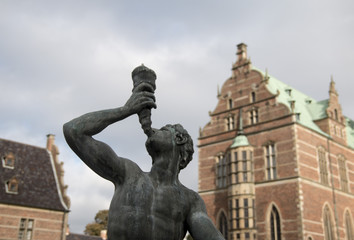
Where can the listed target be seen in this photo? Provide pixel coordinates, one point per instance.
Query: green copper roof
(350, 132)
(318, 109)
(307, 108)
(239, 141)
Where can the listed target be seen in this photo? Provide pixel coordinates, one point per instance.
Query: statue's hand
(142, 98)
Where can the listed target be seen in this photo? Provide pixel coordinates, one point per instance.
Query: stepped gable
(34, 171)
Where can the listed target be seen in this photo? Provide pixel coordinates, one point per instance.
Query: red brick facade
(47, 224)
(289, 160)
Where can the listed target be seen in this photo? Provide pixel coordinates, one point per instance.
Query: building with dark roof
(275, 163)
(33, 200)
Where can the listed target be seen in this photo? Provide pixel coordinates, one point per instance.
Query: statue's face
(161, 140)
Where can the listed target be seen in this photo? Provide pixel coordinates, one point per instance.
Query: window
(8, 161)
(253, 97)
(230, 212)
(230, 122)
(223, 225)
(245, 212)
(11, 186)
(254, 116)
(242, 166)
(237, 208)
(221, 171)
(230, 103)
(26, 229)
(236, 166)
(323, 165)
(327, 224)
(343, 173)
(275, 228)
(348, 227)
(271, 161)
(336, 114)
(297, 117)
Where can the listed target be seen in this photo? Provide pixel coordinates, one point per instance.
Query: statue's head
(180, 138)
(185, 145)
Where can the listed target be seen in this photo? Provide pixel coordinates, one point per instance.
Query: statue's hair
(186, 149)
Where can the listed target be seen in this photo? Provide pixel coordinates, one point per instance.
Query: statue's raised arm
(98, 155)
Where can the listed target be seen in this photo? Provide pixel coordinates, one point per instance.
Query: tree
(100, 223)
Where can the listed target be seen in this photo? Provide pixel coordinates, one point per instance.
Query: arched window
(275, 227)
(222, 223)
(327, 224)
(348, 227)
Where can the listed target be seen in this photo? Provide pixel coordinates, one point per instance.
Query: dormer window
(308, 101)
(288, 91)
(11, 186)
(8, 161)
(297, 116)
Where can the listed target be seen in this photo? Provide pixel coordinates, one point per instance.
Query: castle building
(274, 163)
(33, 200)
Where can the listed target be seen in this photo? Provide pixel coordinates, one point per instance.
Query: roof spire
(332, 88)
(240, 139)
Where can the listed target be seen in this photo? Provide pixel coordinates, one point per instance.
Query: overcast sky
(61, 59)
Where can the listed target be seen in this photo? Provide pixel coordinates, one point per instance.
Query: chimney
(50, 141)
(243, 63)
(241, 52)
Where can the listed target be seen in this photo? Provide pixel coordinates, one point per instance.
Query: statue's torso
(141, 209)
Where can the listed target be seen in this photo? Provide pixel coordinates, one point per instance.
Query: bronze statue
(146, 205)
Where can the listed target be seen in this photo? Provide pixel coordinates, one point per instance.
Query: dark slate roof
(74, 236)
(34, 171)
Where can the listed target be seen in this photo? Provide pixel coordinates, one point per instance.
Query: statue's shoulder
(191, 195)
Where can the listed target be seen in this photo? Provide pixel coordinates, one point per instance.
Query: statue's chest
(144, 198)
(168, 202)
